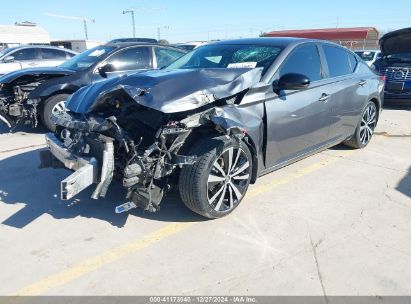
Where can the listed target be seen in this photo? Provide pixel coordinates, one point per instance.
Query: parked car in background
(29, 94)
(17, 58)
(395, 64)
(369, 56)
(214, 120)
(189, 46)
(145, 40)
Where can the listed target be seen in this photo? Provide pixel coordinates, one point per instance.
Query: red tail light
(383, 78)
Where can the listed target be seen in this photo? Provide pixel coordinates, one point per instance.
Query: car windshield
(366, 55)
(87, 58)
(6, 51)
(228, 56)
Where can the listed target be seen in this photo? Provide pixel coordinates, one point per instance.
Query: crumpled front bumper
(88, 170)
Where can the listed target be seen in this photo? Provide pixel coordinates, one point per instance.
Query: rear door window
(338, 61)
(303, 60)
(166, 56)
(52, 54)
(129, 59)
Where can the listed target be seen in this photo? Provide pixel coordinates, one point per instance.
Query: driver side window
(131, 59)
(303, 60)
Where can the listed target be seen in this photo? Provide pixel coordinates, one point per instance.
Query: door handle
(324, 98)
(362, 82)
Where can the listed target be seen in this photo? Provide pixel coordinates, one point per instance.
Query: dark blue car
(395, 64)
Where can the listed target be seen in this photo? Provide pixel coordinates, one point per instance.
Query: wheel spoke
(236, 160)
(230, 159)
(242, 177)
(217, 194)
(241, 169)
(220, 201)
(236, 191)
(231, 197)
(215, 179)
(218, 167)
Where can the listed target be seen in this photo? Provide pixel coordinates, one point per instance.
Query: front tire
(215, 185)
(53, 105)
(365, 127)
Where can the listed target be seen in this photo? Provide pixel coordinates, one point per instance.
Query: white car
(17, 58)
(369, 56)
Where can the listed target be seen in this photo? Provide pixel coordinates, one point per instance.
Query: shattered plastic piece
(125, 207)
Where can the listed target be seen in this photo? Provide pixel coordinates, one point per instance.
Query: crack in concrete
(320, 277)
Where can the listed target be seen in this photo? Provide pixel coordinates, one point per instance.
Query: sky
(185, 20)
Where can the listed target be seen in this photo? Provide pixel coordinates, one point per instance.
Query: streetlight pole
(132, 21)
(159, 31)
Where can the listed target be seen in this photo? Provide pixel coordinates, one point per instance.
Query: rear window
(338, 61)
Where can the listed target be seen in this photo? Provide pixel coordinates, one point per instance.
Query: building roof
(23, 33)
(355, 33)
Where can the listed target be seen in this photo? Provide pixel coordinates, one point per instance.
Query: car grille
(398, 74)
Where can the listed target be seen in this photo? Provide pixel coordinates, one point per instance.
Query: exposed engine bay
(20, 102)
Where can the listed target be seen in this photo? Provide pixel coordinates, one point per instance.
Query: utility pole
(83, 19)
(132, 21)
(159, 31)
(132, 11)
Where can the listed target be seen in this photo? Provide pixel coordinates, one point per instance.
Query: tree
(163, 41)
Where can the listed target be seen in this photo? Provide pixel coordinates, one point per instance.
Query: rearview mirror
(292, 81)
(107, 68)
(8, 59)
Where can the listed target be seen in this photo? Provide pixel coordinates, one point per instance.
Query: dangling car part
(212, 122)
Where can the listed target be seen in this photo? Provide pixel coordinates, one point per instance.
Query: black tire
(194, 180)
(357, 140)
(49, 104)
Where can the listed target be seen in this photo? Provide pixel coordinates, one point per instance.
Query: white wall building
(22, 34)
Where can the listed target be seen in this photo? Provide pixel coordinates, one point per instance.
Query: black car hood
(169, 91)
(35, 72)
(396, 42)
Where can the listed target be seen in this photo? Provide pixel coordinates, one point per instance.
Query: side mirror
(8, 59)
(292, 81)
(107, 68)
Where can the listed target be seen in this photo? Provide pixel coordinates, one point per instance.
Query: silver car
(17, 58)
(214, 121)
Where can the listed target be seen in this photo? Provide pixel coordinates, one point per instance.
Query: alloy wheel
(59, 108)
(228, 179)
(368, 123)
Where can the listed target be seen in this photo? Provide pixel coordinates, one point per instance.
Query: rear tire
(365, 128)
(52, 105)
(215, 185)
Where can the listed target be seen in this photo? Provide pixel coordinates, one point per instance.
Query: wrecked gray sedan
(213, 121)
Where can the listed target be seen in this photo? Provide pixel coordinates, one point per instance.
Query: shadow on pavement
(22, 182)
(396, 105)
(404, 186)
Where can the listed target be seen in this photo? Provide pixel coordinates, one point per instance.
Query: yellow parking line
(99, 261)
(92, 264)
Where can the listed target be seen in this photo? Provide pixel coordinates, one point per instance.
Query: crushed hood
(396, 42)
(169, 91)
(33, 73)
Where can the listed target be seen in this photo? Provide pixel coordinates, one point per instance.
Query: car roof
(279, 41)
(128, 44)
(42, 46)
